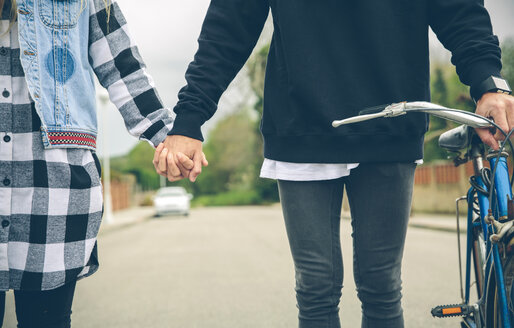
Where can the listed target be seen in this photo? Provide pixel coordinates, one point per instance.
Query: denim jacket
(61, 42)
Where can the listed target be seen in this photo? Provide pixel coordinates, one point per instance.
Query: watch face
(501, 84)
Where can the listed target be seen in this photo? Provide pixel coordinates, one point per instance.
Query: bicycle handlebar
(397, 109)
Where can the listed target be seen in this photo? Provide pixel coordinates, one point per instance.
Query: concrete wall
(437, 186)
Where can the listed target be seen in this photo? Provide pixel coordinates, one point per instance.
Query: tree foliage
(138, 162)
(266, 189)
(508, 60)
(230, 150)
(235, 148)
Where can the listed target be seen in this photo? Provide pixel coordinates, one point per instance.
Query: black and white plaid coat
(51, 200)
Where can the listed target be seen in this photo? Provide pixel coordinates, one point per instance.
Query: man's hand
(500, 108)
(160, 162)
(179, 157)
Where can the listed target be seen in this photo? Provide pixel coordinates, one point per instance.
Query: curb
(437, 227)
(436, 223)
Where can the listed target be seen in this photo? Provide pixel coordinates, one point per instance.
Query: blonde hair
(13, 14)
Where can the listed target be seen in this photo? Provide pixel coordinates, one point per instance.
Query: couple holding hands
(328, 60)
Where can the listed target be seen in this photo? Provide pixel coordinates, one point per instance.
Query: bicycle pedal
(453, 310)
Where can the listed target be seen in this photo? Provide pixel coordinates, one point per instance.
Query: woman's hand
(179, 157)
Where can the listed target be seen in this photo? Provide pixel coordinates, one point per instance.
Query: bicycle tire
(479, 257)
(491, 305)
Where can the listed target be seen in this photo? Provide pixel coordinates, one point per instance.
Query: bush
(231, 198)
(147, 200)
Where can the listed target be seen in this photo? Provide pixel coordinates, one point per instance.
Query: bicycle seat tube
(477, 158)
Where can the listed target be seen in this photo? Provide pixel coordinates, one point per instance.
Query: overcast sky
(166, 32)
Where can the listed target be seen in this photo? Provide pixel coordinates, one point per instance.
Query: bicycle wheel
(479, 259)
(492, 305)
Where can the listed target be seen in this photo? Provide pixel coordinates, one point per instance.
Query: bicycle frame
(500, 210)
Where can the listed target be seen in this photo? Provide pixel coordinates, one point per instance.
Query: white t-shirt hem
(278, 170)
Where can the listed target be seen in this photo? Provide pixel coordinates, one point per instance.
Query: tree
(230, 150)
(139, 163)
(437, 125)
(508, 60)
(447, 90)
(266, 188)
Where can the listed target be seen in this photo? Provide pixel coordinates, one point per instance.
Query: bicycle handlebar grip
(373, 110)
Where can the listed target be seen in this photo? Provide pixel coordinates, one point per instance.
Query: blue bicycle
(490, 214)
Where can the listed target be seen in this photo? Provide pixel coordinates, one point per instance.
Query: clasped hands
(179, 157)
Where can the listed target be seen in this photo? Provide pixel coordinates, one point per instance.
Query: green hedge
(231, 198)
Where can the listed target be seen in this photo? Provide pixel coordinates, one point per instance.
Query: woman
(50, 191)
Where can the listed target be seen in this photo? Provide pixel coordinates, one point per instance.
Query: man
(329, 60)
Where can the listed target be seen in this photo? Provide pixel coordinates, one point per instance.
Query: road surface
(231, 267)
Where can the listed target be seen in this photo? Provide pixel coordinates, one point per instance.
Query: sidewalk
(440, 222)
(128, 217)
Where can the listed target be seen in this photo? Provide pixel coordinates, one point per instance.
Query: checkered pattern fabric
(51, 200)
(121, 70)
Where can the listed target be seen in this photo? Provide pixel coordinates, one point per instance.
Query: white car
(172, 200)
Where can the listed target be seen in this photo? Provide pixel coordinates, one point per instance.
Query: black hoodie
(328, 60)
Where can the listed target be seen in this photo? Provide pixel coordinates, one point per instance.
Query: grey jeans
(380, 198)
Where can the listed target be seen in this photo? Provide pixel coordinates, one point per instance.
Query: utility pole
(103, 98)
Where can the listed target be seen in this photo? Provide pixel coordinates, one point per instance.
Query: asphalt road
(231, 268)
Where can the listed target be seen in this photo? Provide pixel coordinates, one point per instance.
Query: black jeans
(43, 309)
(380, 198)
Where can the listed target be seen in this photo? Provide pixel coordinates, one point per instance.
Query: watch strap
(491, 84)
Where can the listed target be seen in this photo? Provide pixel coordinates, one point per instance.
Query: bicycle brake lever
(373, 110)
(501, 230)
(390, 111)
(359, 118)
